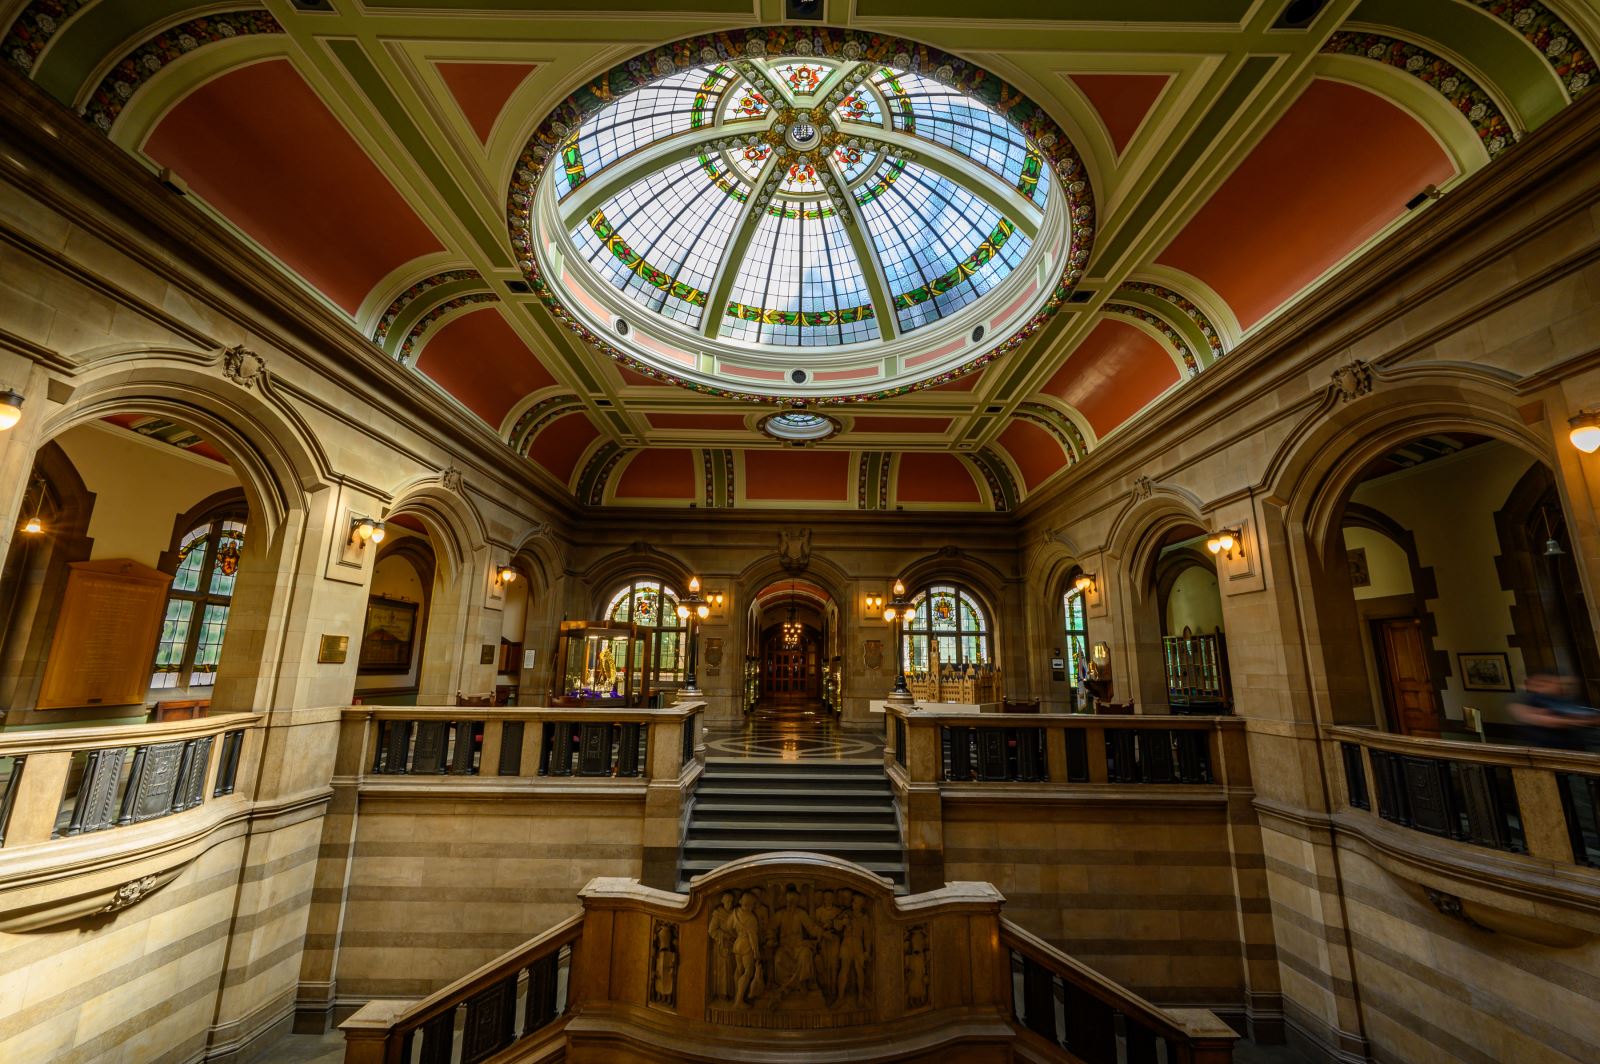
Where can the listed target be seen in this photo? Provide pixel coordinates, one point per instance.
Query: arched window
(653, 604)
(951, 618)
(198, 602)
(1077, 631)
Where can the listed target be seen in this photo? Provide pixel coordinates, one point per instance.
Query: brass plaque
(333, 649)
(486, 656)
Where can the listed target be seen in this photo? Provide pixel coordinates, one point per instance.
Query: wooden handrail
(60, 740)
(508, 963)
(1476, 752)
(930, 718)
(1198, 1033)
(525, 713)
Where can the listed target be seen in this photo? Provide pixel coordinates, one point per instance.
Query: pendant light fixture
(791, 627)
(1552, 546)
(34, 526)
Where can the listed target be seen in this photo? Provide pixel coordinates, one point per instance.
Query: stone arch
(638, 560)
(1136, 541)
(769, 569)
(1307, 487)
(1056, 561)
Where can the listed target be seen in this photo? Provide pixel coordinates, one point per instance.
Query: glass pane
(948, 652)
(225, 566)
(618, 610)
(191, 556)
(647, 604)
(974, 650)
(916, 653)
(972, 619)
(942, 604)
(1073, 606)
(208, 651)
(174, 637)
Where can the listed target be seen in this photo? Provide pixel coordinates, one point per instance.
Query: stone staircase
(745, 807)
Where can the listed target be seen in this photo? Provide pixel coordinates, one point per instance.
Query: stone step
(841, 847)
(730, 808)
(894, 869)
(703, 830)
(875, 788)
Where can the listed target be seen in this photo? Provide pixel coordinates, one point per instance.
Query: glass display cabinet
(604, 663)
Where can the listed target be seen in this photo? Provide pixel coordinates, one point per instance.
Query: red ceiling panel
(1111, 376)
(479, 359)
(901, 424)
(932, 477)
(660, 473)
(1122, 100)
(705, 422)
(560, 444)
(1338, 166)
(481, 89)
(258, 145)
(820, 476)
(1035, 452)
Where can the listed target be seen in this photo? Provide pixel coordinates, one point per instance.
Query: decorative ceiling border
(403, 354)
(1002, 485)
(380, 332)
(1201, 320)
(872, 480)
(1063, 428)
(537, 416)
(1439, 74)
(544, 149)
(718, 469)
(1552, 38)
(34, 26)
(1161, 325)
(145, 61)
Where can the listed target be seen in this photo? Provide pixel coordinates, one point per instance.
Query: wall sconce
(363, 529)
(508, 575)
(715, 598)
(874, 603)
(1225, 541)
(11, 408)
(1084, 582)
(702, 611)
(1585, 433)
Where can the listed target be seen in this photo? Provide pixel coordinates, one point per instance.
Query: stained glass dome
(800, 225)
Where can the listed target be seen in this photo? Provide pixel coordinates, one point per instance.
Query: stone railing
(526, 741)
(785, 956)
(1070, 1012)
(92, 820)
(927, 746)
(1515, 799)
(518, 999)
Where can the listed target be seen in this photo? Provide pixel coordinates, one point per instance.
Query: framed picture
(1485, 672)
(390, 637)
(1360, 575)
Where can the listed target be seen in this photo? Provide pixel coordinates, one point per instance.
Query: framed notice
(105, 643)
(390, 637)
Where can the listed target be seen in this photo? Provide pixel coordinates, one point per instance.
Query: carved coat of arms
(794, 549)
(872, 654)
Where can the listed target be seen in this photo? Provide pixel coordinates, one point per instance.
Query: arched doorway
(792, 625)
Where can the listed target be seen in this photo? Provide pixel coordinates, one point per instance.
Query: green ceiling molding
(1568, 55)
(1193, 320)
(354, 58)
(70, 39)
(150, 57)
(872, 480)
(1160, 324)
(544, 149)
(1002, 485)
(410, 304)
(1159, 11)
(1059, 425)
(537, 416)
(591, 488)
(424, 323)
(1458, 31)
(717, 471)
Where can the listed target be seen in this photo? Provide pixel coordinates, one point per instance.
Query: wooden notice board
(105, 641)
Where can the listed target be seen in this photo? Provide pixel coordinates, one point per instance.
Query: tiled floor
(792, 740)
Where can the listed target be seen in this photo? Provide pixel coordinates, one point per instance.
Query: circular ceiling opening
(816, 198)
(799, 425)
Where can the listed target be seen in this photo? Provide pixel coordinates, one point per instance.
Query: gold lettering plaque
(333, 650)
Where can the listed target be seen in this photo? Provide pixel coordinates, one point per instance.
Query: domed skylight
(800, 224)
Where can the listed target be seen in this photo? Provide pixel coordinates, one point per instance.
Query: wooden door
(790, 674)
(1407, 684)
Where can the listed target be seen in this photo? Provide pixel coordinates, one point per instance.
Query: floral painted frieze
(1201, 320)
(1562, 48)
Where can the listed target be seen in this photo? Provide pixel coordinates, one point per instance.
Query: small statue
(916, 967)
(664, 968)
(606, 671)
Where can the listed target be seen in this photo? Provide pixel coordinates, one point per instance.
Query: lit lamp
(1084, 582)
(34, 526)
(692, 608)
(508, 575)
(875, 604)
(11, 409)
(1585, 432)
(365, 529)
(1224, 541)
(899, 609)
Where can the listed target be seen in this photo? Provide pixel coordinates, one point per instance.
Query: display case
(604, 663)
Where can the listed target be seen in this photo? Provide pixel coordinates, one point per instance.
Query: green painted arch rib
(403, 311)
(1513, 69)
(83, 40)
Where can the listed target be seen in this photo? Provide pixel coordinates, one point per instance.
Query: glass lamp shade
(33, 527)
(683, 613)
(702, 611)
(10, 408)
(1585, 435)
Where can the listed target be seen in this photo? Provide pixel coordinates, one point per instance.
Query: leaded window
(948, 622)
(198, 603)
(1077, 632)
(653, 604)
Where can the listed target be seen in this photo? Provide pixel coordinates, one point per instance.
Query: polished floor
(793, 737)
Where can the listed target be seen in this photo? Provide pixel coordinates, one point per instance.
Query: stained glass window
(1077, 632)
(198, 600)
(948, 623)
(653, 604)
(738, 213)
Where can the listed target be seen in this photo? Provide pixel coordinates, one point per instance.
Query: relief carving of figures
(806, 963)
(916, 966)
(664, 964)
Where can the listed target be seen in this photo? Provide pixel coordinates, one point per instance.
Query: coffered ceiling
(1228, 158)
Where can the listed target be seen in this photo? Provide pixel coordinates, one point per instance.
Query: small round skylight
(798, 425)
(813, 200)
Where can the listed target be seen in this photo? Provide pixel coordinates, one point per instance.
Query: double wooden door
(791, 674)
